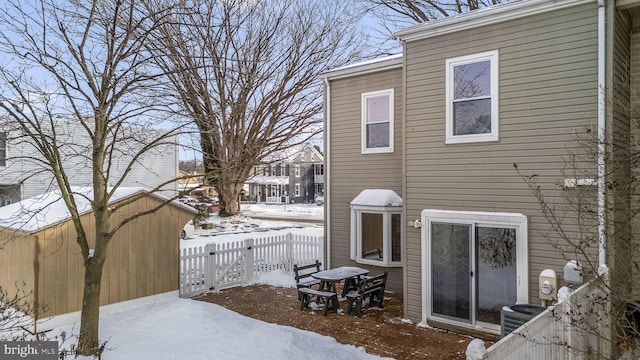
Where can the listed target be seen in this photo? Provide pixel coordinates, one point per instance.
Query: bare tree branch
(246, 74)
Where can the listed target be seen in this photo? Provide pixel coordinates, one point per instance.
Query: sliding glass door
(450, 268)
(495, 250)
(472, 270)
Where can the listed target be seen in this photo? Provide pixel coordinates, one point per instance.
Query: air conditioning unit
(515, 316)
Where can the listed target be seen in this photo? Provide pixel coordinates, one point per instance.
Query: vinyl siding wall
(628, 64)
(548, 91)
(155, 167)
(350, 171)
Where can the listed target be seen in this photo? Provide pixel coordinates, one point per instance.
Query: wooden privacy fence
(572, 329)
(217, 266)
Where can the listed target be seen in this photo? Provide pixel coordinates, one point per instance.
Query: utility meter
(548, 286)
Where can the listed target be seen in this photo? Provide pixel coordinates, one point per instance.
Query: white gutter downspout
(327, 199)
(602, 236)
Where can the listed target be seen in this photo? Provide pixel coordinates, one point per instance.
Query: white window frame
(363, 110)
(296, 190)
(508, 220)
(296, 169)
(450, 138)
(356, 232)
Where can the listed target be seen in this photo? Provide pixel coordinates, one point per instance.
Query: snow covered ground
(260, 220)
(189, 329)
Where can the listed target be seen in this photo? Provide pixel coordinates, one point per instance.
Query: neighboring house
(41, 255)
(296, 176)
(192, 184)
(441, 126)
(23, 176)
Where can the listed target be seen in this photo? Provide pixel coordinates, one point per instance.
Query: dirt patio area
(382, 332)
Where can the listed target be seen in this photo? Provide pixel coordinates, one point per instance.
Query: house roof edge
(380, 64)
(483, 17)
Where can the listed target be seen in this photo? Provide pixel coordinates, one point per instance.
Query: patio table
(330, 278)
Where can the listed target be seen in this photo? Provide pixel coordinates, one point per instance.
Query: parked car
(320, 200)
(188, 230)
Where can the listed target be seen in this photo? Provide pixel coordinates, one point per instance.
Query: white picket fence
(572, 329)
(217, 266)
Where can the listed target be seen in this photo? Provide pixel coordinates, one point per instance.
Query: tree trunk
(88, 343)
(229, 195)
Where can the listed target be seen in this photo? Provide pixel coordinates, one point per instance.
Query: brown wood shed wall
(17, 259)
(142, 260)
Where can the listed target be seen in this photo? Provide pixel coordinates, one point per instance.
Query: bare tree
(12, 322)
(246, 73)
(574, 219)
(83, 62)
(396, 14)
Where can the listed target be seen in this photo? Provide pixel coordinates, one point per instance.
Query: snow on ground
(304, 211)
(258, 220)
(189, 329)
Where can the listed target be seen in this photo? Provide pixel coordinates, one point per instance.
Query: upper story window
(377, 122)
(319, 169)
(3, 149)
(472, 98)
(296, 170)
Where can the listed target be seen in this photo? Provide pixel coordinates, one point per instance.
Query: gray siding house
(22, 175)
(295, 176)
(442, 125)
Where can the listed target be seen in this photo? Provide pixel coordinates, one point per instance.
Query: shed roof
(42, 211)
(377, 197)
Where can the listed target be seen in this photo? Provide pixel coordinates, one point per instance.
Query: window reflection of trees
(496, 246)
(472, 80)
(472, 98)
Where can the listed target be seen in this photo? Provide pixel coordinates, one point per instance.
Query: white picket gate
(217, 266)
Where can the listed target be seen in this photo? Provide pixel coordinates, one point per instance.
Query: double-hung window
(472, 98)
(296, 170)
(377, 122)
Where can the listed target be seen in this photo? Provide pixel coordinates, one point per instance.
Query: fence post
(248, 260)
(476, 350)
(289, 258)
(322, 254)
(211, 266)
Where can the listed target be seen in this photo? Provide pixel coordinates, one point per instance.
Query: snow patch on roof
(369, 62)
(377, 197)
(44, 210)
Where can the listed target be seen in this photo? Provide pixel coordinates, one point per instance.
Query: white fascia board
(365, 67)
(484, 17)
